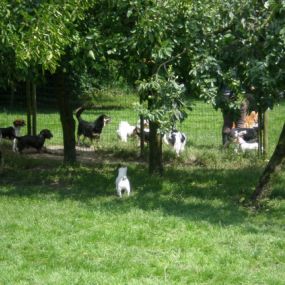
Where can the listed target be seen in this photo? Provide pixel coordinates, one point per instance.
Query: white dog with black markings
(122, 182)
(177, 140)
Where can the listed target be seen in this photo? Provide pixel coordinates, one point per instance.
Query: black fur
(10, 132)
(250, 136)
(36, 142)
(7, 133)
(172, 137)
(91, 130)
(137, 131)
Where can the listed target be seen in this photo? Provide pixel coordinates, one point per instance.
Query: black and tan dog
(91, 130)
(28, 141)
(13, 131)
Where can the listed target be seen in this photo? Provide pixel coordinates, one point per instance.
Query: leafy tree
(140, 36)
(165, 108)
(41, 37)
(245, 51)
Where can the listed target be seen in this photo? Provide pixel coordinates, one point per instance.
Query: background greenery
(202, 126)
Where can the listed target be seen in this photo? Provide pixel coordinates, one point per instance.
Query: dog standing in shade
(91, 130)
(13, 131)
(122, 182)
(177, 140)
(29, 141)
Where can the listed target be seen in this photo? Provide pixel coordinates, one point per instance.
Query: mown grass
(65, 225)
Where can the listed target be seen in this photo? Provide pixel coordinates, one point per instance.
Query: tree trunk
(29, 107)
(66, 117)
(242, 115)
(155, 149)
(276, 160)
(12, 96)
(228, 120)
(141, 136)
(265, 133)
(34, 108)
(260, 132)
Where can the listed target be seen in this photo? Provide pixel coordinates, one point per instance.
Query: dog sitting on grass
(28, 141)
(122, 182)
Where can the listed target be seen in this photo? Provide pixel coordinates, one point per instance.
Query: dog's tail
(78, 112)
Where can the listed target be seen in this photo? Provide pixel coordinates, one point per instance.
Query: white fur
(122, 182)
(145, 123)
(125, 130)
(17, 130)
(244, 146)
(14, 147)
(178, 145)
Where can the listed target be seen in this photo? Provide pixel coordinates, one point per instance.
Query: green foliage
(37, 33)
(165, 101)
(241, 48)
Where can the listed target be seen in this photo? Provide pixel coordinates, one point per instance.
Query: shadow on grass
(209, 195)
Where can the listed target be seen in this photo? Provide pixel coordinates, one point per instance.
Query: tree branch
(169, 60)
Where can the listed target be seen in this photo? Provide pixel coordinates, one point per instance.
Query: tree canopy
(238, 44)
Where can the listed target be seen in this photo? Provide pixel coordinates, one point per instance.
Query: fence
(202, 127)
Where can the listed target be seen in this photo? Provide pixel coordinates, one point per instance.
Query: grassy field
(65, 225)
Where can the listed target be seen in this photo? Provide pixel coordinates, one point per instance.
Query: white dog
(242, 144)
(122, 182)
(125, 130)
(177, 140)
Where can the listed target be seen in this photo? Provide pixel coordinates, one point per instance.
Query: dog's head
(46, 133)
(106, 119)
(19, 123)
(103, 119)
(145, 123)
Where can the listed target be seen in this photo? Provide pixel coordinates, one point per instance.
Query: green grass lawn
(65, 225)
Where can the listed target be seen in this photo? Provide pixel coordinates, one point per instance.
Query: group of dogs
(93, 130)
(174, 138)
(27, 141)
(86, 129)
(244, 139)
